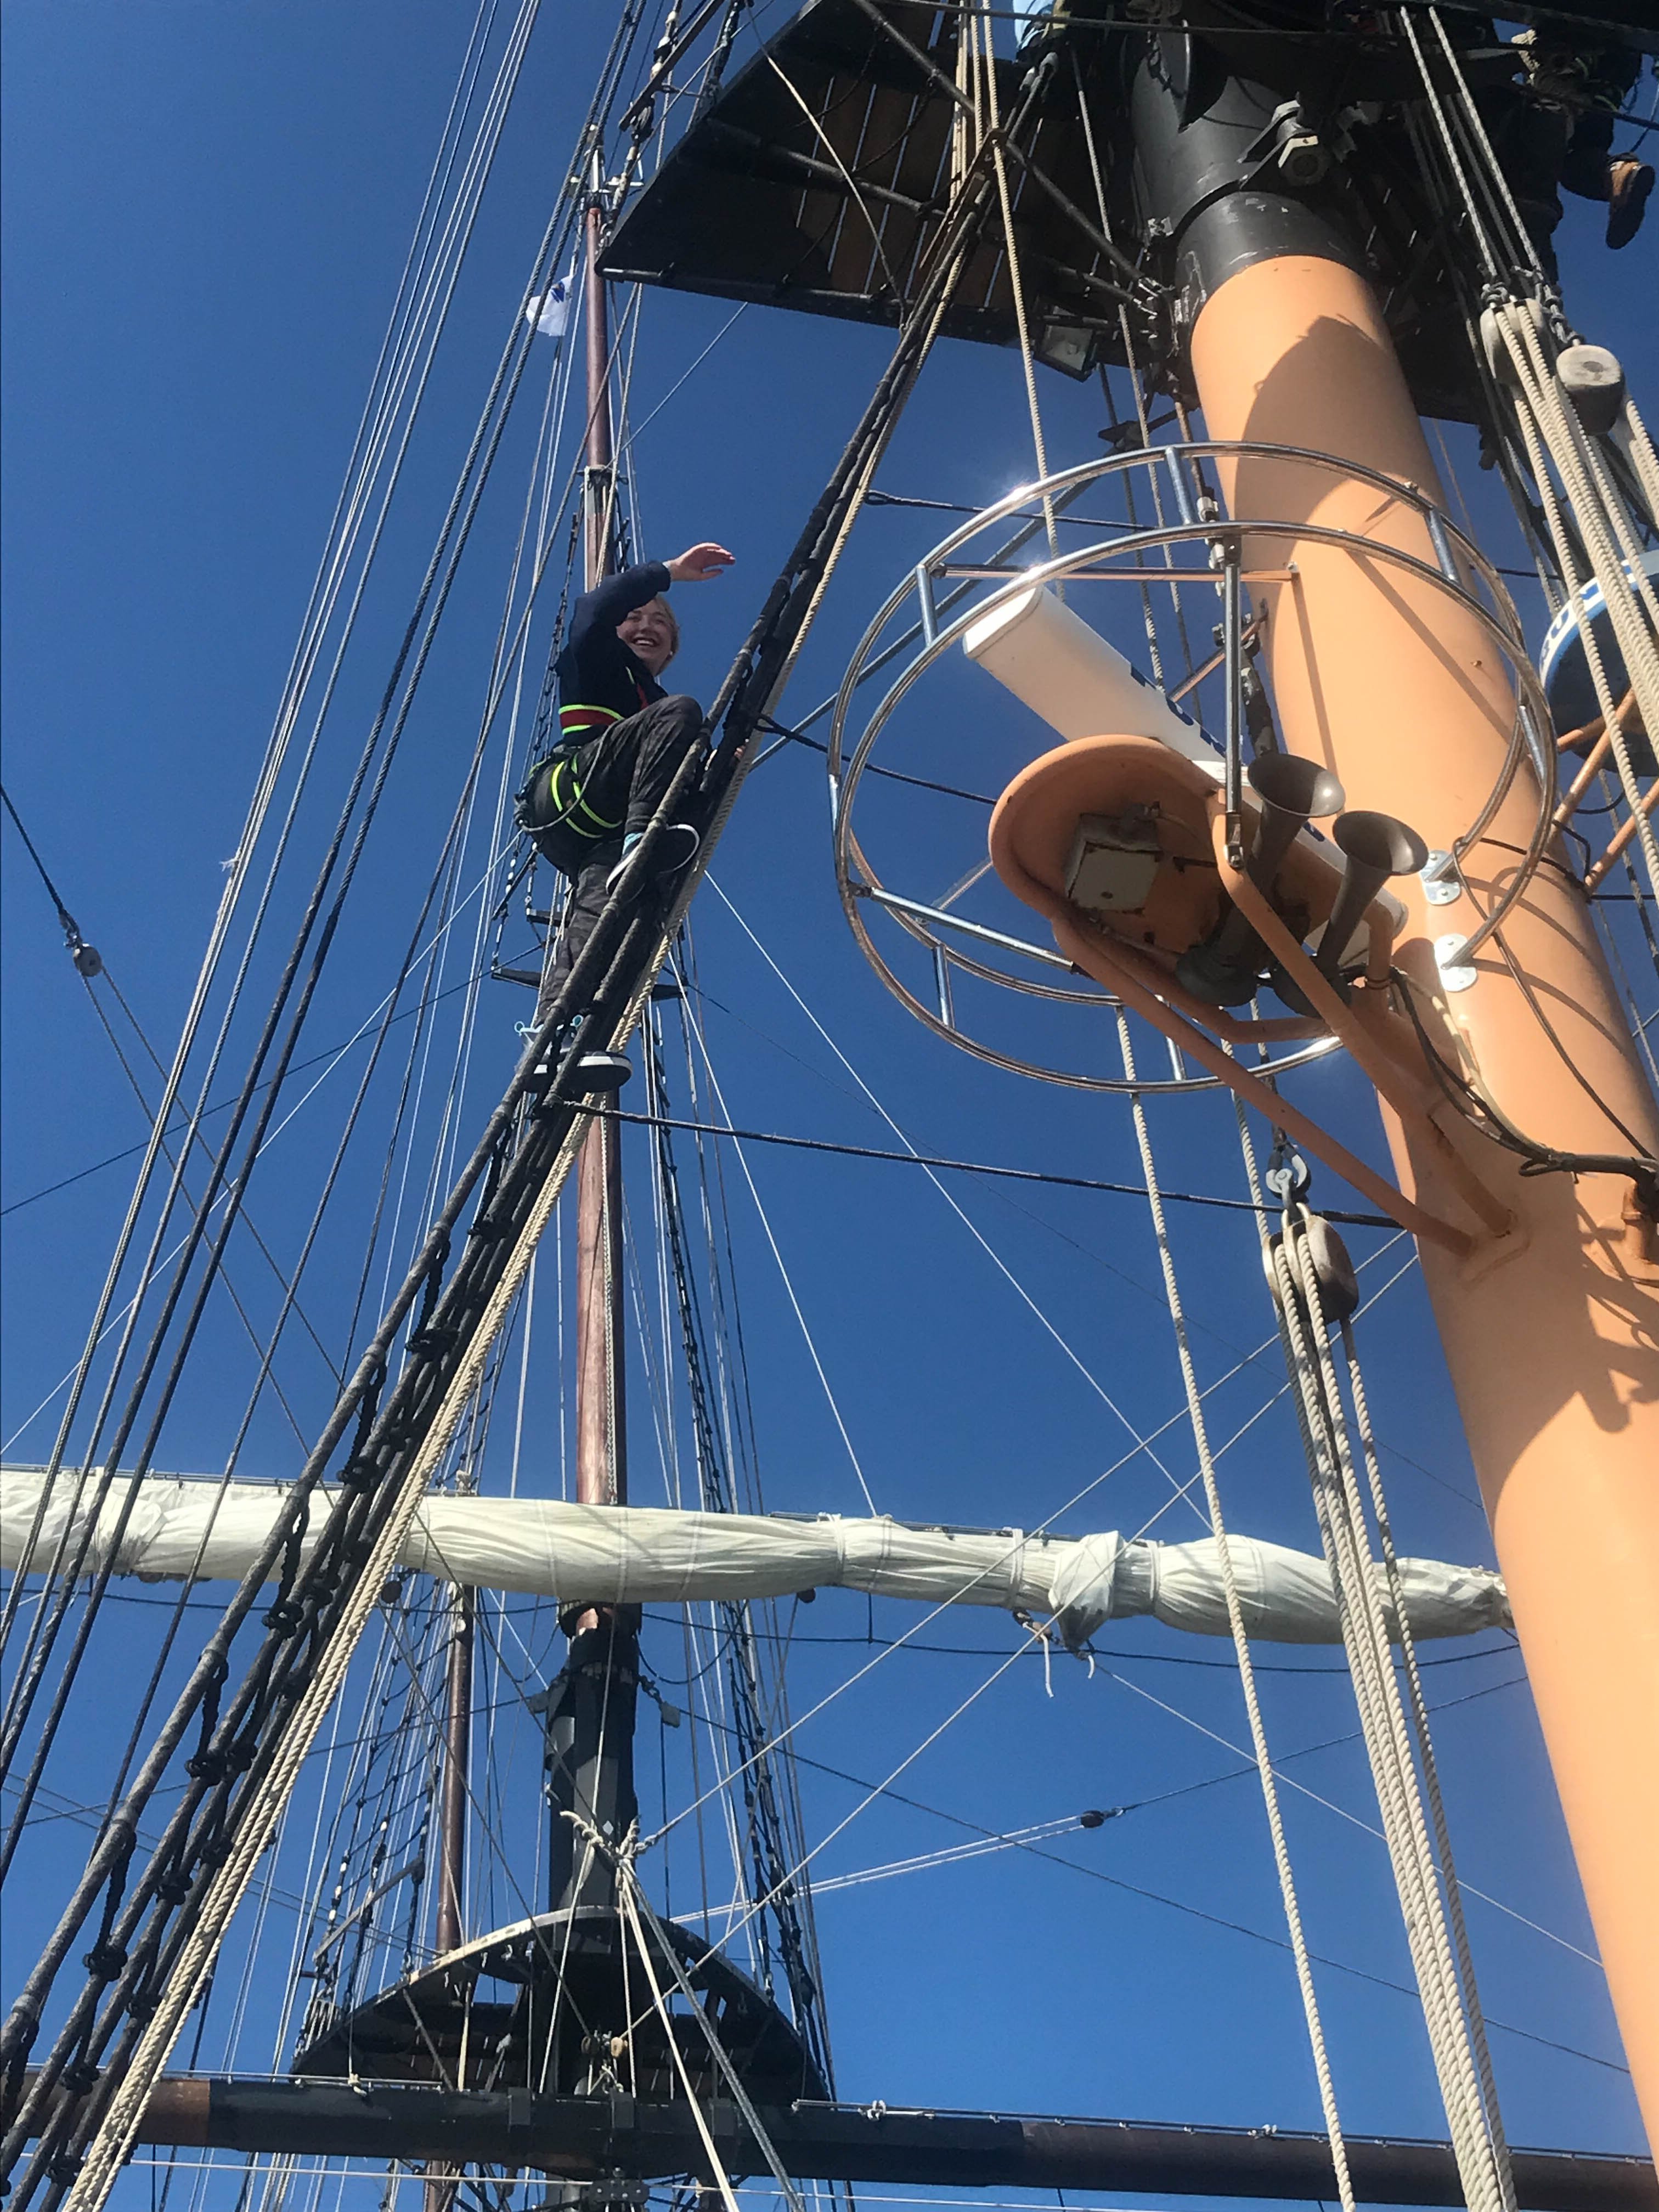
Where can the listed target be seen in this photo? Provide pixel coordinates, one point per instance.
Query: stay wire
(28, 1670)
(72, 937)
(959, 1167)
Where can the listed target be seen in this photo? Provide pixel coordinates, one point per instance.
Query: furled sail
(197, 1527)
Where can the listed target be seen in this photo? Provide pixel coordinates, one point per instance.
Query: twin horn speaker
(1225, 971)
(1374, 847)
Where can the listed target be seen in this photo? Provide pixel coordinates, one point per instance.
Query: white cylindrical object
(1066, 671)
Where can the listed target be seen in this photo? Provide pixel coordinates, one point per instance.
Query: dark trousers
(623, 773)
(1542, 148)
(1587, 166)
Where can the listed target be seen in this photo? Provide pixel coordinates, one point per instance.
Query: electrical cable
(958, 1167)
(1482, 1114)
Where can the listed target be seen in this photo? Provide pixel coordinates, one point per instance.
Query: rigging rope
(1142, 1442)
(433, 595)
(1519, 305)
(1240, 1642)
(1599, 514)
(1423, 1869)
(613, 977)
(769, 1845)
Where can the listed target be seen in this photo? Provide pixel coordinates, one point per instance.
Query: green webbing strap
(564, 809)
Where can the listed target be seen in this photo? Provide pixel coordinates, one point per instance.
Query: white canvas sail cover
(641, 1555)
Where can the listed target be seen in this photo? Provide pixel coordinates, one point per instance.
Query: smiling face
(651, 634)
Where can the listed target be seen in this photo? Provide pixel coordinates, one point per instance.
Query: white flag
(552, 312)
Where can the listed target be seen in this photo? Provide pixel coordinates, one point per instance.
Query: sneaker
(1630, 183)
(675, 847)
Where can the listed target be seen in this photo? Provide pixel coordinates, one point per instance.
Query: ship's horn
(1223, 971)
(1374, 848)
(1293, 792)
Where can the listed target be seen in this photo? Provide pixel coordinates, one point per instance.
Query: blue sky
(207, 206)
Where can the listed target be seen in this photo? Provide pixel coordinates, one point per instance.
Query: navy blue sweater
(600, 679)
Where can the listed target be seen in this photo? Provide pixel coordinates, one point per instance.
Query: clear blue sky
(207, 206)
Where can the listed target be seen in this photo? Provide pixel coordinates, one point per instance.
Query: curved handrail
(859, 885)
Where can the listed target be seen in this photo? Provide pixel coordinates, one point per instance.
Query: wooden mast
(590, 1708)
(601, 1425)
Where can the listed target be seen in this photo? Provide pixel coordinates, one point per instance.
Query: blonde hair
(673, 623)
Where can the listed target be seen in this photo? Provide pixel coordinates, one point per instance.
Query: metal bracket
(1457, 974)
(1289, 1176)
(1441, 882)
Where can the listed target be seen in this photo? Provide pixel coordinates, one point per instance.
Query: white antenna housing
(1066, 671)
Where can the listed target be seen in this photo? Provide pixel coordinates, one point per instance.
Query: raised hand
(699, 564)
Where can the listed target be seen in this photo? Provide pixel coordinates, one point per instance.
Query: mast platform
(559, 2002)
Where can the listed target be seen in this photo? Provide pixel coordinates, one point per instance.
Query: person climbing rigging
(621, 740)
(1558, 136)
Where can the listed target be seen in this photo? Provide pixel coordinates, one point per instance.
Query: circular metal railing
(948, 592)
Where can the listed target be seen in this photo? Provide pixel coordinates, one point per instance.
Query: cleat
(1630, 183)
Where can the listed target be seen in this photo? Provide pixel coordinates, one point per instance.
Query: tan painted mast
(1523, 1133)
(1551, 1330)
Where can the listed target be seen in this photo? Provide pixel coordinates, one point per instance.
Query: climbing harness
(551, 801)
